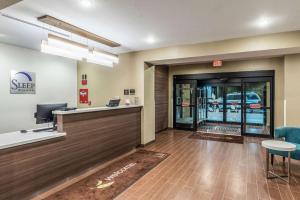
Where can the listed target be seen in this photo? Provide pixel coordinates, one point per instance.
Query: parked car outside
(253, 102)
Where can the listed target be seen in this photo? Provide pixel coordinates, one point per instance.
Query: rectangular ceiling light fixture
(102, 58)
(76, 30)
(7, 3)
(63, 47)
(66, 48)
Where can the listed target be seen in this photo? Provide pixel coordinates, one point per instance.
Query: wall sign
(84, 96)
(217, 63)
(22, 82)
(132, 91)
(126, 92)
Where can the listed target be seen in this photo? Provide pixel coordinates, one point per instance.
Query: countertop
(96, 109)
(14, 139)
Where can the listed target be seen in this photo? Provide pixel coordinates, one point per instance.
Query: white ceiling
(169, 22)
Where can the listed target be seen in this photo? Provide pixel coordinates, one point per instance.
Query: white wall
(56, 82)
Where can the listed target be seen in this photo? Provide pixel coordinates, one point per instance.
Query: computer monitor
(114, 103)
(44, 112)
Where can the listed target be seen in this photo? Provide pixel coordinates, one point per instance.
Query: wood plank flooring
(210, 170)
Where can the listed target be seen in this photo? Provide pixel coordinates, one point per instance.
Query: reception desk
(88, 138)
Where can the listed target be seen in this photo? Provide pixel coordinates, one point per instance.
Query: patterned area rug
(112, 180)
(218, 137)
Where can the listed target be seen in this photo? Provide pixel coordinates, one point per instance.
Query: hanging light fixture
(46, 48)
(102, 58)
(106, 56)
(66, 48)
(63, 43)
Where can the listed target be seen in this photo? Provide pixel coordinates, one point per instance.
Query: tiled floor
(210, 170)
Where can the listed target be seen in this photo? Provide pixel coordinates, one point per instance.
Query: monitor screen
(44, 112)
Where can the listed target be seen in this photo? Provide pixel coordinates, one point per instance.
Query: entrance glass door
(257, 107)
(221, 111)
(185, 106)
(233, 103)
(215, 99)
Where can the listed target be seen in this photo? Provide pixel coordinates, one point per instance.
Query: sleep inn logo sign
(22, 82)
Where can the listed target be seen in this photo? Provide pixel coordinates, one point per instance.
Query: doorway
(222, 111)
(235, 104)
(184, 104)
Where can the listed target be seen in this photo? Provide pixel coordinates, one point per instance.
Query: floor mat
(218, 137)
(110, 181)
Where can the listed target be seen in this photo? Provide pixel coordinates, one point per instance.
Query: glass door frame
(233, 77)
(271, 107)
(233, 84)
(192, 105)
(224, 84)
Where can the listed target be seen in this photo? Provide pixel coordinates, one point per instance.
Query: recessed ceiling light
(86, 3)
(150, 40)
(263, 22)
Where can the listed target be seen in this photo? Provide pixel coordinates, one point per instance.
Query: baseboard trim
(147, 144)
(166, 129)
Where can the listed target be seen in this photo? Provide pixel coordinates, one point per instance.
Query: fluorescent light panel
(46, 48)
(65, 48)
(92, 59)
(105, 56)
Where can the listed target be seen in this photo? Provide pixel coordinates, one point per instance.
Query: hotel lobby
(148, 100)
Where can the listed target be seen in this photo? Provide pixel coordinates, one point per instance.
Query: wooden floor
(201, 170)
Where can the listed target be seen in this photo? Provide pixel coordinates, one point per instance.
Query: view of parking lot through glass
(224, 107)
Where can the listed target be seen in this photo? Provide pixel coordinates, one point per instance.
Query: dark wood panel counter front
(94, 136)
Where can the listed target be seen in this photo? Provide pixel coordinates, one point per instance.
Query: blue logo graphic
(25, 74)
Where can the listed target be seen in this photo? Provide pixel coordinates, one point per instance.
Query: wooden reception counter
(93, 136)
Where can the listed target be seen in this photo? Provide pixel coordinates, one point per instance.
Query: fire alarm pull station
(84, 96)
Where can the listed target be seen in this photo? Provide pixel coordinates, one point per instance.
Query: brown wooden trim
(76, 30)
(7, 3)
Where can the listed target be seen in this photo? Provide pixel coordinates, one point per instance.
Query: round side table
(278, 146)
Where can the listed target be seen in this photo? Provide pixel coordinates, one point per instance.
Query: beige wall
(149, 105)
(129, 73)
(105, 82)
(276, 64)
(292, 89)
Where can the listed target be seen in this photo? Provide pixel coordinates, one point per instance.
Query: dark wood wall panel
(161, 119)
(92, 138)
(161, 97)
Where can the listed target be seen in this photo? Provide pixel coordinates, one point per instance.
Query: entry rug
(218, 137)
(112, 180)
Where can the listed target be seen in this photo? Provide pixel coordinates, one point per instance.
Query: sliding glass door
(239, 104)
(257, 107)
(233, 103)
